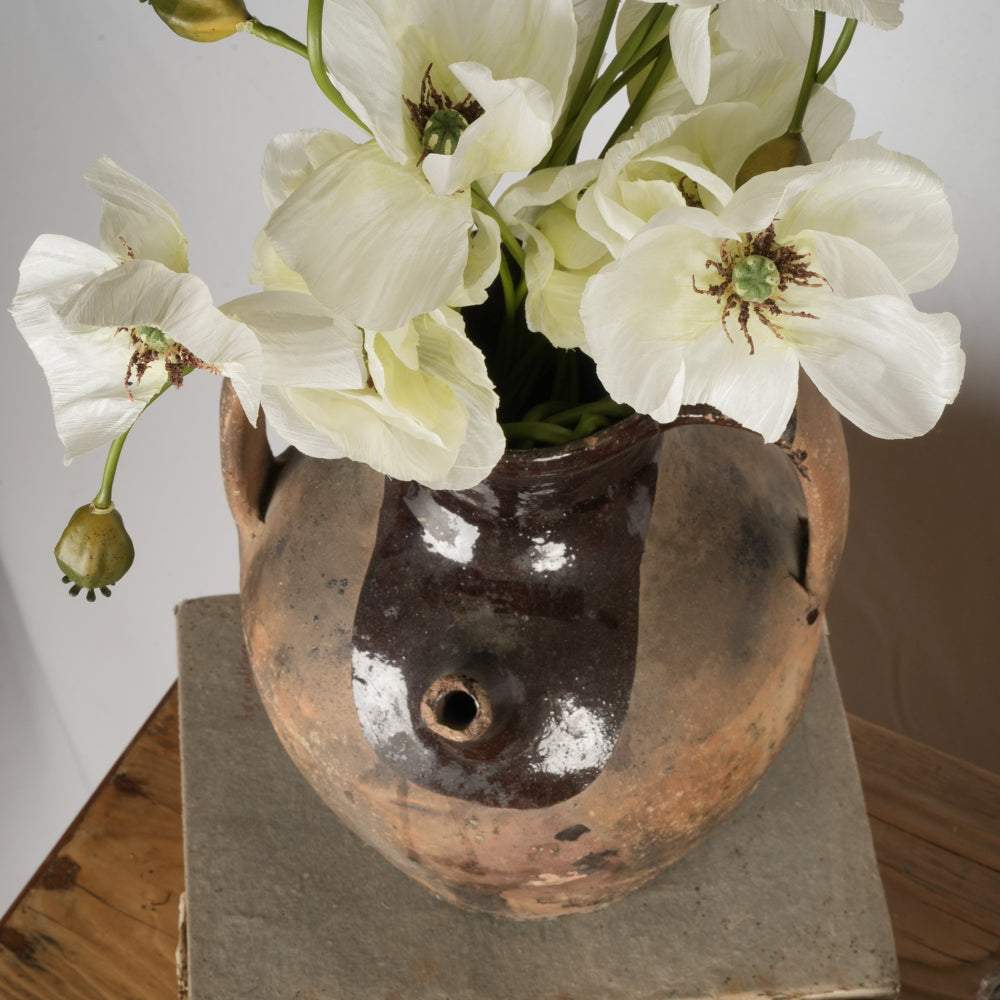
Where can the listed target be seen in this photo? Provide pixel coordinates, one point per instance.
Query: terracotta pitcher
(533, 695)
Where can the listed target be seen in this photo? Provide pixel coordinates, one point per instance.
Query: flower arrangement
(467, 280)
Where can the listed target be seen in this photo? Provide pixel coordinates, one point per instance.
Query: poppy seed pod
(95, 550)
(788, 150)
(201, 20)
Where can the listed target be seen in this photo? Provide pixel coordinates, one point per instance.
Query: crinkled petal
(372, 240)
(641, 176)
(292, 156)
(889, 202)
(483, 263)
(433, 421)
(71, 304)
(367, 67)
(518, 38)
(640, 314)
(378, 51)
(269, 271)
(757, 390)
(135, 220)
(302, 342)
(513, 133)
(146, 293)
(447, 354)
(560, 257)
(53, 270)
(763, 30)
(887, 367)
(849, 269)
(85, 372)
(879, 13)
(692, 49)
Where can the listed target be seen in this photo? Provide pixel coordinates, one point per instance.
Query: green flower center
(150, 344)
(443, 130)
(439, 120)
(753, 272)
(756, 278)
(154, 338)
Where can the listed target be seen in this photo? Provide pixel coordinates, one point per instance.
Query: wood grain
(99, 920)
(936, 827)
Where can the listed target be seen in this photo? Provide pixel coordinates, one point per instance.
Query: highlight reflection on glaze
(444, 532)
(575, 738)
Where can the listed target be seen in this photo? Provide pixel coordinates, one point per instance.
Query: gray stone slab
(783, 900)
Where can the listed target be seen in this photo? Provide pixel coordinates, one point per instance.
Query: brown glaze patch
(60, 875)
(128, 785)
(14, 941)
(523, 593)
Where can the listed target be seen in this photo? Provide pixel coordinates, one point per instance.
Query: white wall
(81, 80)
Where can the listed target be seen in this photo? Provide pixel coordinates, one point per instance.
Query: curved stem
(314, 47)
(650, 26)
(839, 50)
(537, 430)
(593, 59)
(103, 499)
(635, 68)
(809, 77)
(605, 407)
(275, 36)
(484, 205)
(509, 298)
(663, 59)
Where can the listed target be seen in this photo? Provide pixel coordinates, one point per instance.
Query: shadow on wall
(916, 607)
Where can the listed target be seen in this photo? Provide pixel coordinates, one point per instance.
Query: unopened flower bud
(201, 20)
(95, 550)
(788, 150)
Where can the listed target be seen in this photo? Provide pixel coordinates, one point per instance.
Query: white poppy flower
(690, 39)
(559, 256)
(695, 157)
(573, 220)
(807, 266)
(414, 403)
(400, 249)
(111, 326)
(467, 91)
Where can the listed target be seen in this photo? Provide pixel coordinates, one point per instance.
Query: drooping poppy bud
(201, 20)
(788, 150)
(95, 550)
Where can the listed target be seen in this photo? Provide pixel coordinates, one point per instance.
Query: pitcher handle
(248, 465)
(819, 438)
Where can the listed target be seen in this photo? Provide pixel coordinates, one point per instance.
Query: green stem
(566, 383)
(635, 68)
(593, 62)
(840, 48)
(314, 46)
(651, 26)
(540, 431)
(275, 36)
(509, 300)
(509, 240)
(809, 77)
(542, 426)
(103, 498)
(649, 85)
(606, 407)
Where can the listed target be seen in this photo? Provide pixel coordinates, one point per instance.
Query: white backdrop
(105, 77)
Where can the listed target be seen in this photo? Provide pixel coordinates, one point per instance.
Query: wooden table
(99, 920)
